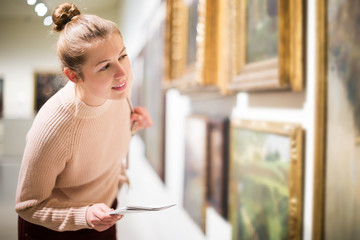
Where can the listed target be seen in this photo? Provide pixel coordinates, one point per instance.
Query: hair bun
(63, 14)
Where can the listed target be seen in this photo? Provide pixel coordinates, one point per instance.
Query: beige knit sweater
(72, 159)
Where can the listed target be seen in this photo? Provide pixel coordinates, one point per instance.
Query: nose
(120, 71)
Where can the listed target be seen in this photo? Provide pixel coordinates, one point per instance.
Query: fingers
(141, 118)
(98, 217)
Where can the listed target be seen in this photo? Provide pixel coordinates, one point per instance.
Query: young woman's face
(106, 72)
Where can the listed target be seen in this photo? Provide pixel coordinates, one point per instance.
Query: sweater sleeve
(44, 158)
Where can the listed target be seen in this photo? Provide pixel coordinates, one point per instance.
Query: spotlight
(31, 2)
(41, 9)
(48, 21)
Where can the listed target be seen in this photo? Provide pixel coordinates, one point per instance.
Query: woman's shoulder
(54, 115)
(55, 108)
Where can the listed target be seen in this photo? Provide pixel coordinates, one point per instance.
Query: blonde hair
(78, 33)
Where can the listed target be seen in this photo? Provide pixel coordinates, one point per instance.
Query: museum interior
(255, 109)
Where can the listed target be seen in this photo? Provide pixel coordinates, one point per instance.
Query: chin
(120, 96)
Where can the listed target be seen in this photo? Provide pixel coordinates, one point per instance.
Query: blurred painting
(153, 98)
(262, 30)
(46, 85)
(138, 79)
(192, 14)
(342, 180)
(195, 169)
(260, 165)
(218, 165)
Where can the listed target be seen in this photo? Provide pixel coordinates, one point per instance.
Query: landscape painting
(261, 181)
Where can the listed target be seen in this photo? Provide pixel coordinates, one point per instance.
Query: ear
(71, 75)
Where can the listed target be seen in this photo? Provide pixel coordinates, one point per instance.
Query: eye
(105, 67)
(122, 57)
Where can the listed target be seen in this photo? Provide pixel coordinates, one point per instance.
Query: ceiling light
(31, 2)
(41, 9)
(48, 21)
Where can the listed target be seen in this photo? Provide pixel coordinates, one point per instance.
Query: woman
(72, 164)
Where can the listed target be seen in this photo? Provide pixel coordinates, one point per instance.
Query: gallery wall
(25, 38)
(275, 106)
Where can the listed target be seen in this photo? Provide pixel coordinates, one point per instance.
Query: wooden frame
(337, 101)
(252, 145)
(46, 85)
(196, 163)
(286, 70)
(218, 168)
(204, 74)
(320, 121)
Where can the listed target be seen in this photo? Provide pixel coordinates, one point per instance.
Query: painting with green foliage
(262, 30)
(259, 178)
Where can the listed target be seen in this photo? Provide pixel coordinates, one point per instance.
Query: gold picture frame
(320, 121)
(266, 158)
(285, 69)
(203, 74)
(335, 196)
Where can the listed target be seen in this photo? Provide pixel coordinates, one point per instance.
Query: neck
(92, 101)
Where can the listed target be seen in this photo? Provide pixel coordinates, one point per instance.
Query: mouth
(121, 86)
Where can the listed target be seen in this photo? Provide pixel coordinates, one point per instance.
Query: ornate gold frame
(320, 122)
(211, 54)
(284, 72)
(295, 133)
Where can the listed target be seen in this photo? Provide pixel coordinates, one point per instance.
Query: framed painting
(267, 45)
(46, 85)
(193, 27)
(137, 91)
(195, 178)
(337, 137)
(265, 193)
(218, 164)
(181, 31)
(153, 97)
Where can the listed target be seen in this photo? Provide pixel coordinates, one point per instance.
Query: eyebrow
(105, 60)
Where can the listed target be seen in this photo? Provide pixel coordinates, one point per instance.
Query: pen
(132, 111)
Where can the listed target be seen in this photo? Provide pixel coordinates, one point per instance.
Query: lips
(121, 86)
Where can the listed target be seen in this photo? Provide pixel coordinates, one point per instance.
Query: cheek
(99, 83)
(127, 65)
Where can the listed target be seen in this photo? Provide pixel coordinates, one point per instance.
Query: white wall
(25, 47)
(135, 19)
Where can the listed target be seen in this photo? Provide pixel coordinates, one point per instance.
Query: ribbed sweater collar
(75, 106)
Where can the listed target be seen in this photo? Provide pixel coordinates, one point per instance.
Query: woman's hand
(140, 119)
(98, 217)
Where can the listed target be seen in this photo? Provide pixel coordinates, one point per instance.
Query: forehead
(105, 48)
